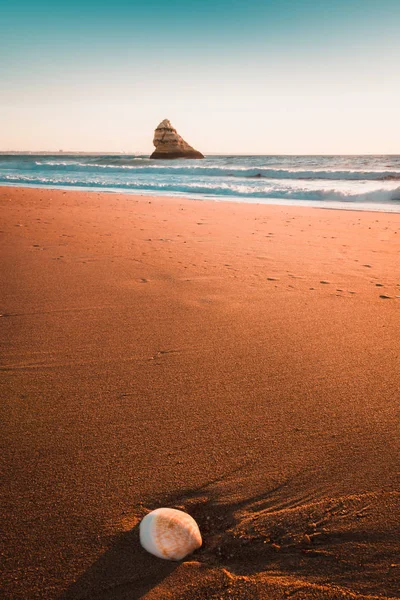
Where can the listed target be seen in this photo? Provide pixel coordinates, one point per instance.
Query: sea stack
(169, 144)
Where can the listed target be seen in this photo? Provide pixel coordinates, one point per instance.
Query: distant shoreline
(67, 153)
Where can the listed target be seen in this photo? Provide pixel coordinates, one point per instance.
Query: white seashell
(169, 533)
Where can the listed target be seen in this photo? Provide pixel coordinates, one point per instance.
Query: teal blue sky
(289, 76)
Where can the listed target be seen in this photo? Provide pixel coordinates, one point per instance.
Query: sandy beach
(238, 361)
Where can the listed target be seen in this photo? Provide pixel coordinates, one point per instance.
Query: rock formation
(169, 143)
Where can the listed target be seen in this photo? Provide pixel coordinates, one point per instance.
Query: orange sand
(237, 361)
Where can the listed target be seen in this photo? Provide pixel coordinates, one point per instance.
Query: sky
(233, 77)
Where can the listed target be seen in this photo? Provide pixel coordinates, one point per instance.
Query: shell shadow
(126, 572)
(123, 572)
(287, 528)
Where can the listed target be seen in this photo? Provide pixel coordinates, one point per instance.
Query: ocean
(358, 182)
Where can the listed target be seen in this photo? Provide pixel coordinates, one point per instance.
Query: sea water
(358, 182)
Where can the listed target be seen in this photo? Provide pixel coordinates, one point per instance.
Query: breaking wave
(315, 180)
(223, 189)
(224, 172)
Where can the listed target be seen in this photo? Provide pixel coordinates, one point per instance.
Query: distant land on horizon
(67, 152)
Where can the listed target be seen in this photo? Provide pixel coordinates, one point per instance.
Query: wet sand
(241, 362)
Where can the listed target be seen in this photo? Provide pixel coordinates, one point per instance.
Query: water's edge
(362, 207)
(344, 182)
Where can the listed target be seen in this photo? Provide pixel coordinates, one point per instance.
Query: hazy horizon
(262, 77)
(209, 154)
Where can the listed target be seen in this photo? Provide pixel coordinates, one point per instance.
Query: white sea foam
(279, 192)
(372, 180)
(222, 171)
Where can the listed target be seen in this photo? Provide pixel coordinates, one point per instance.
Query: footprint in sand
(161, 353)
